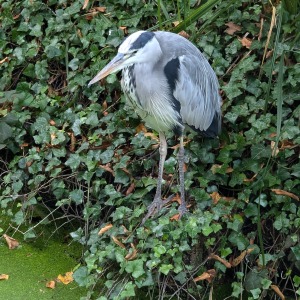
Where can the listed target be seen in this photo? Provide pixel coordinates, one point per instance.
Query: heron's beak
(114, 65)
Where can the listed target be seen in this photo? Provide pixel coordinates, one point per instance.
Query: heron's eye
(132, 53)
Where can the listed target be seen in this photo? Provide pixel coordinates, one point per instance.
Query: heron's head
(139, 47)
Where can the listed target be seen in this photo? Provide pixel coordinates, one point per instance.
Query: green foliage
(79, 151)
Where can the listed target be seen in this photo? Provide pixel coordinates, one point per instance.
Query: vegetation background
(74, 156)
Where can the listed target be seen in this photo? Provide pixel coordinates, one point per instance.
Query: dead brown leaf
(126, 231)
(85, 4)
(272, 24)
(151, 135)
(124, 29)
(2, 61)
(105, 228)
(175, 217)
(141, 127)
(240, 258)
(274, 148)
(184, 34)
(12, 243)
(215, 197)
(50, 284)
(209, 275)
(232, 28)
(246, 42)
(107, 168)
(132, 254)
(215, 167)
(65, 279)
(4, 277)
(250, 179)
(52, 137)
(285, 193)
(101, 9)
(178, 145)
(276, 289)
(286, 144)
(90, 16)
(16, 16)
(221, 260)
(130, 189)
(73, 142)
(118, 242)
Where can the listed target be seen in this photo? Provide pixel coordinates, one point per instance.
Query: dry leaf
(52, 137)
(184, 34)
(215, 197)
(85, 4)
(175, 217)
(130, 189)
(285, 193)
(107, 168)
(261, 26)
(250, 179)
(232, 28)
(100, 9)
(276, 289)
(272, 24)
(240, 258)
(89, 16)
(124, 28)
(141, 127)
(118, 242)
(208, 275)
(52, 122)
(73, 142)
(132, 254)
(50, 284)
(286, 144)
(105, 228)
(16, 16)
(6, 59)
(4, 277)
(215, 167)
(221, 260)
(152, 135)
(126, 231)
(12, 243)
(178, 145)
(274, 148)
(65, 279)
(176, 198)
(246, 42)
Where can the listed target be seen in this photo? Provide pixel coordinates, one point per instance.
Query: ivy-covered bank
(79, 153)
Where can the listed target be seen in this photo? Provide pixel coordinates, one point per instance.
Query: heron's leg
(157, 203)
(182, 208)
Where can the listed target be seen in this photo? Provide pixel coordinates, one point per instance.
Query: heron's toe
(182, 209)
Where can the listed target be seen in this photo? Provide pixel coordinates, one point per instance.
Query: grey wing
(197, 90)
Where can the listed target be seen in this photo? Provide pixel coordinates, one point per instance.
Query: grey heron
(171, 85)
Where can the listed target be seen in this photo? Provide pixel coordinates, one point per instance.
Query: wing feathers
(197, 90)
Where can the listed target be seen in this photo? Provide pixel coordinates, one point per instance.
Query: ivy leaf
(165, 268)
(5, 132)
(77, 196)
(81, 276)
(135, 267)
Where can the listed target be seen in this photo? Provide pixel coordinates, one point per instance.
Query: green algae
(34, 263)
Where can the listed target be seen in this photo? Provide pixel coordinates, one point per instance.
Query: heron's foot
(155, 207)
(182, 209)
